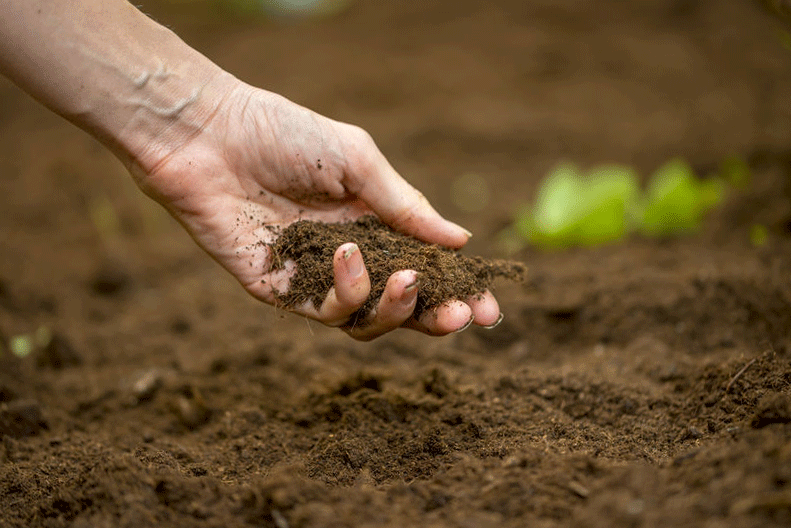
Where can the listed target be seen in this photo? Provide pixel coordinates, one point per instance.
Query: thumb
(400, 205)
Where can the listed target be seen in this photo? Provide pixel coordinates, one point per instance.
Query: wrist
(168, 113)
(155, 93)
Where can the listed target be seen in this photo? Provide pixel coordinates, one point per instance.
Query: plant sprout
(606, 204)
(608, 201)
(675, 200)
(557, 212)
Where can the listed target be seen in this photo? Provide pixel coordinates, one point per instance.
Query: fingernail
(466, 231)
(407, 296)
(499, 320)
(466, 325)
(353, 265)
(415, 283)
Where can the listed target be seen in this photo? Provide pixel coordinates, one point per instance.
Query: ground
(639, 384)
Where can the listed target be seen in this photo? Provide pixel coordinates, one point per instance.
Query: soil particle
(444, 274)
(146, 386)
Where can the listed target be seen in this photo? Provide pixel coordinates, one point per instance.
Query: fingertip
(496, 323)
(393, 309)
(460, 235)
(485, 308)
(352, 283)
(349, 261)
(453, 316)
(408, 281)
(434, 229)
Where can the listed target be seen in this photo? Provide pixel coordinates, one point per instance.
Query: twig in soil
(739, 374)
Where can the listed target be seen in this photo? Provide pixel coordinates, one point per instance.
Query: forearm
(112, 71)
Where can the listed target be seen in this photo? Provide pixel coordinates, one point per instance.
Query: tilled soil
(639, 384)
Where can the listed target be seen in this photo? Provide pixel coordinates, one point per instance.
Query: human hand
(261, 162)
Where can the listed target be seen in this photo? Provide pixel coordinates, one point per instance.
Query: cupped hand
(261, 162)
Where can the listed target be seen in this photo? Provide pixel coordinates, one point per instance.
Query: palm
(245, 195)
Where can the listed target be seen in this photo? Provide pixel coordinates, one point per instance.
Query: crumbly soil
(639, 384)
(443, 274)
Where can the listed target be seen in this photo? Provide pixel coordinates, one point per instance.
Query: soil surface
(443, 274)
(639, 384)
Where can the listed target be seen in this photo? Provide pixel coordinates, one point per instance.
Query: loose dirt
(443, 274)
(646, 383)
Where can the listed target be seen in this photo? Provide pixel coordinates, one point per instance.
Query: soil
(443, 274)
(645, 383)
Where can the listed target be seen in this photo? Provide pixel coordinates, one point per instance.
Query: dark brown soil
(443, 274)
(641, 384)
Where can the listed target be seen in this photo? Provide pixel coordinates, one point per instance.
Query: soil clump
(444, 274)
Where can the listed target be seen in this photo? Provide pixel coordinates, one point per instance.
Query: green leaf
(557, 211)
(671, 205)
(609, 194)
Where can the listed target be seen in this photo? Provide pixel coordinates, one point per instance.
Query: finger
(485, 309)
(405, 209)
(351, 288)
(453, 316)
(395, 306)
(395, 201)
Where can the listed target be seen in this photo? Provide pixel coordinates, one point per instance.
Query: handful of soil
(444, 274)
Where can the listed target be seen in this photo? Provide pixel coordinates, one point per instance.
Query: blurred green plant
(606, 204)
(575, 209)
(22, 345)
(676, 201)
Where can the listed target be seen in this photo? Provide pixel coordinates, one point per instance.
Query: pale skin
(229, 161)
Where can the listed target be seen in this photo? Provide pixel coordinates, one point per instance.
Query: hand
(260, 161)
